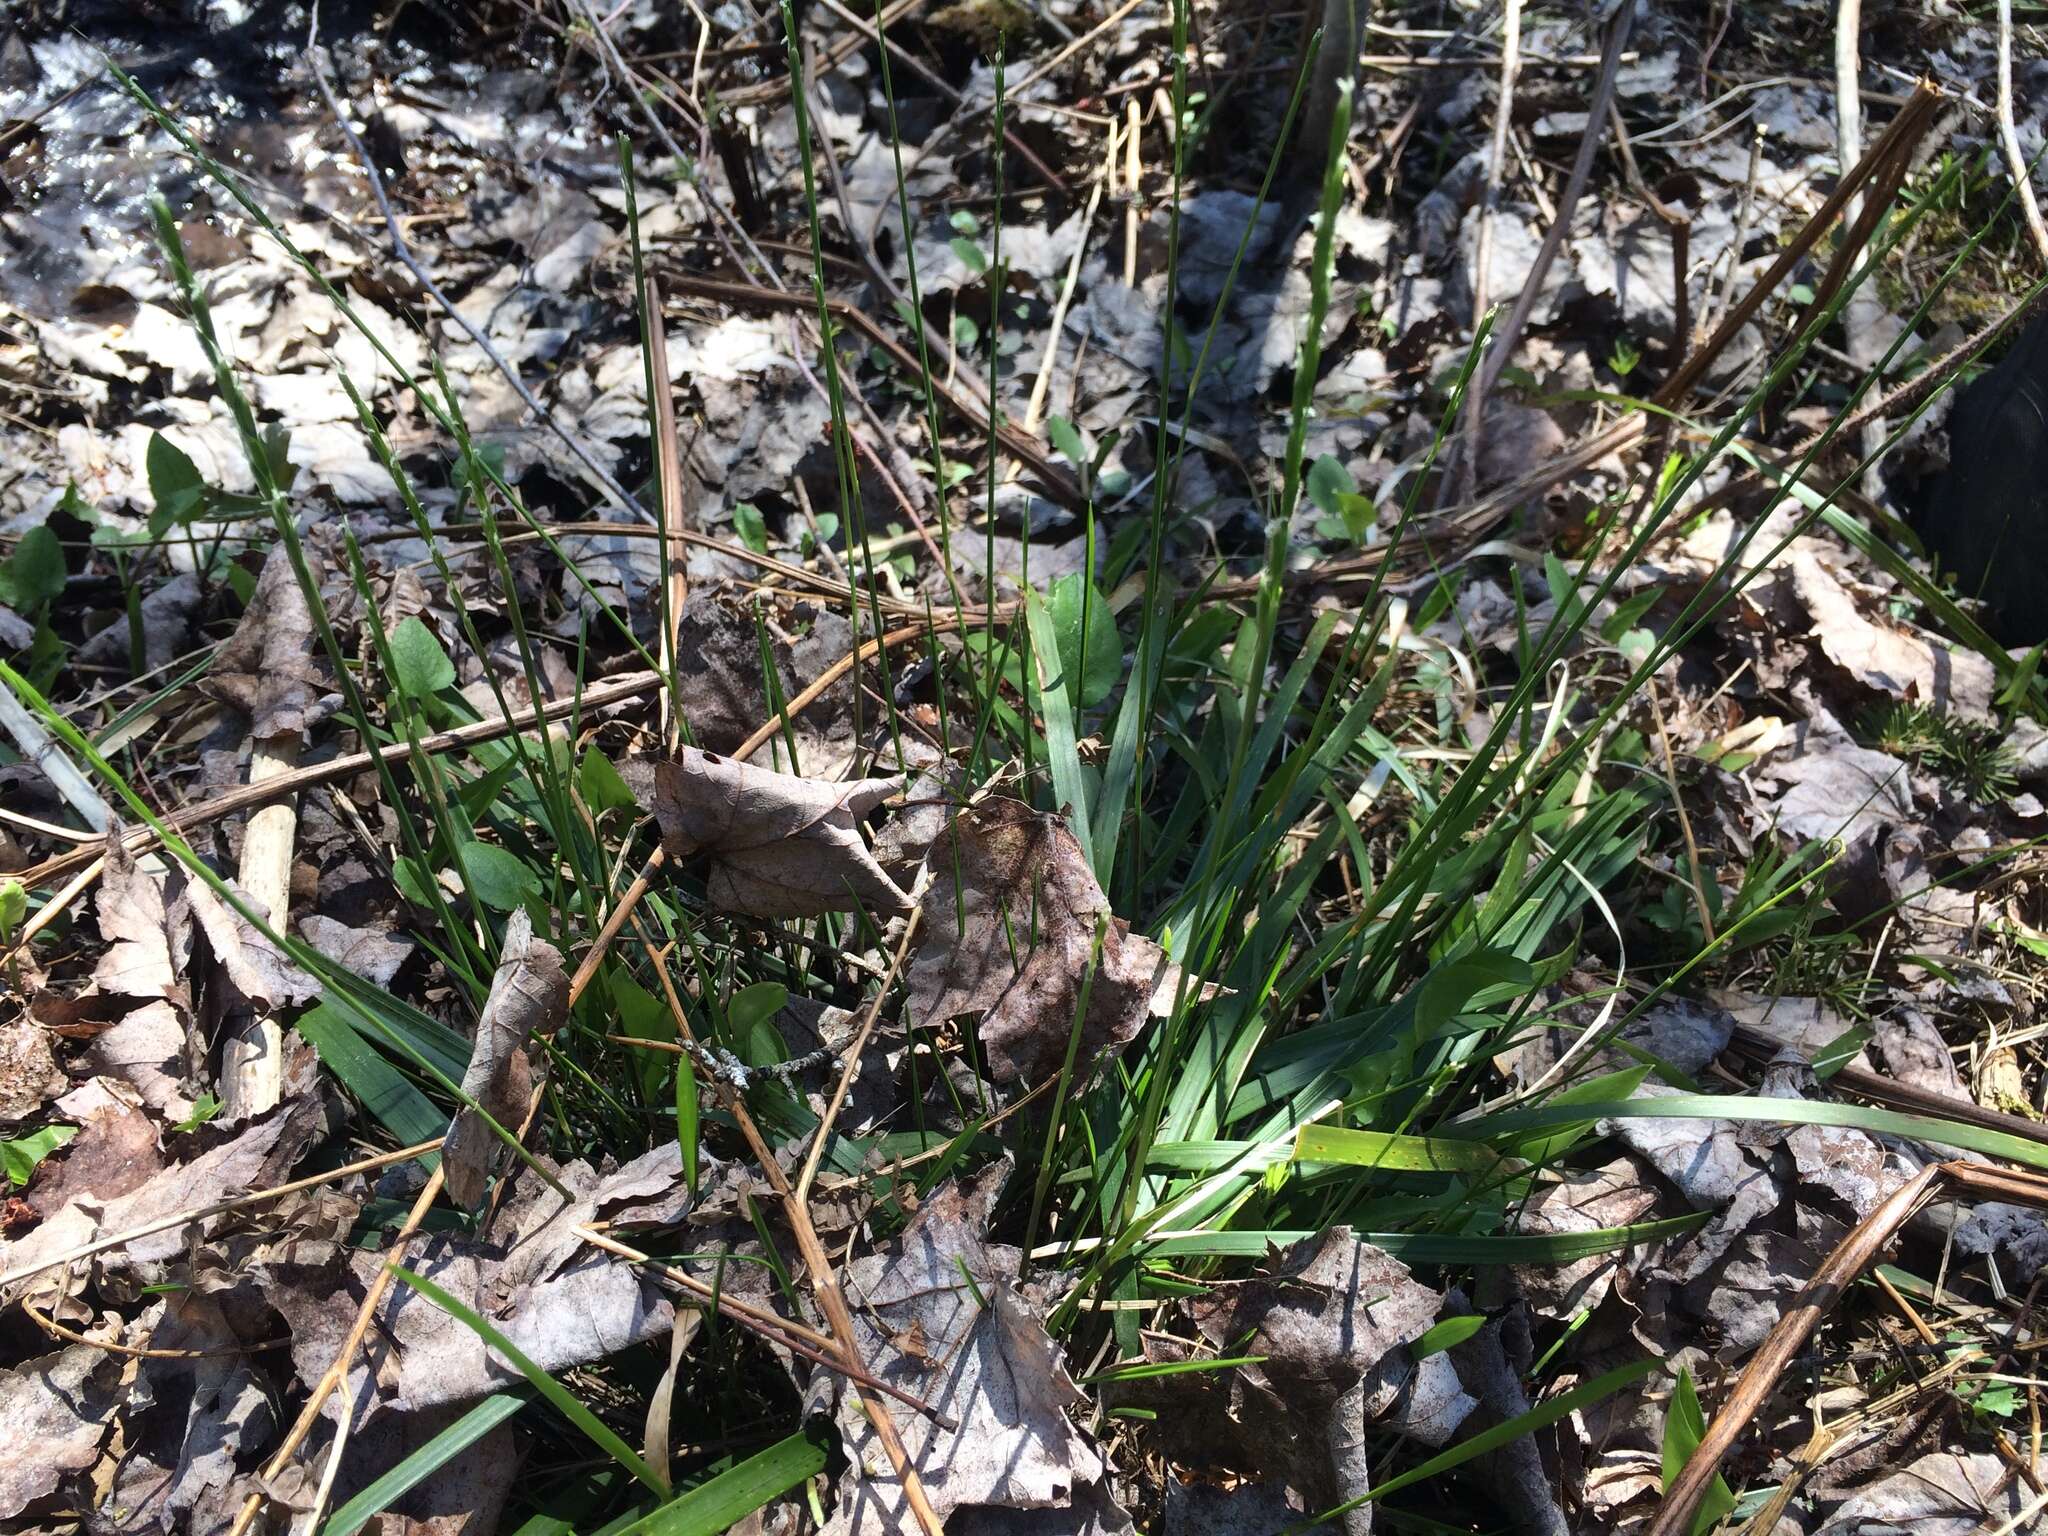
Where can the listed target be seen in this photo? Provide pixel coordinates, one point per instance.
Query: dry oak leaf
(530, 992)
(779, 846)
(1010, 919)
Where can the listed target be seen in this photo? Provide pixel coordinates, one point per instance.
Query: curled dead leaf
(1011, 919)
(779, 846)
(530, 992)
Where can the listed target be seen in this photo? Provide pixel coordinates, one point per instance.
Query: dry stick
(1050, 355)
(824, 1283)
(820, 1349)
(1862, 315)
(55, 907)
(2008, 136)
(851, 1069)
(1503, 347)
(764, 91)
(604, 477)
(336, 1373)
(252, 1064)
(65, 775)
(669, 477)
(207, 1212)
(1692, 847)
(1850, 1258)
(632, 686)
(57, 1330)
(1906, 127)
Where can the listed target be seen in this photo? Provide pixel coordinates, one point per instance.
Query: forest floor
(998, 796)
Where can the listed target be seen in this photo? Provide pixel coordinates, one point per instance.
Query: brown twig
(824, 1282)
(633, 686)
(668, 482)
(1502, 348)
(218, 1208)
(1907, 126)
(1851, 1257)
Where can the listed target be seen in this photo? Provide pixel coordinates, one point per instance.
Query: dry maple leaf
(529, 992)
(1010, 920)
(779, 846)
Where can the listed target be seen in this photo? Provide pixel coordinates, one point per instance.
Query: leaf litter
(1832, 713)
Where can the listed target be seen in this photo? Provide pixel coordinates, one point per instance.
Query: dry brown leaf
(374, 954)
(188, 1422)
(1332, 1318)
(147, 1051)
(1010, 923)
(54, 1411)
(992, 1369)
(719, 676)
(1615, 1195)
(29, 1074)
(147, 950)
(561, 1302)
(266, 668)
(530, 992)
(1946, 1493)
(114, 1152)
(780, 847)
(1902, 663)
(1712, 1168)
(256, 968)
(251, 1160)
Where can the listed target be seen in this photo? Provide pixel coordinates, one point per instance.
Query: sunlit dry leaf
(992, 1369)
(1904, 664)
(529, 992)
(258, 1156)
(1010, 924)
(561, 1301)
(256, 968)
(193, 1420)
(29, 1073)
(54, 1411)
(1712, 1168)
(266, 668)
(1945, 1493)
(146, 1050)
(375, 954)
(779, 846)
(147, 949)
(1616, 1195)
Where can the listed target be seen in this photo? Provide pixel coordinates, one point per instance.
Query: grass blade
(421, 1465)
(564, 1401)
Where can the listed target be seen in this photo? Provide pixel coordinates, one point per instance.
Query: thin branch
(2008, 136)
